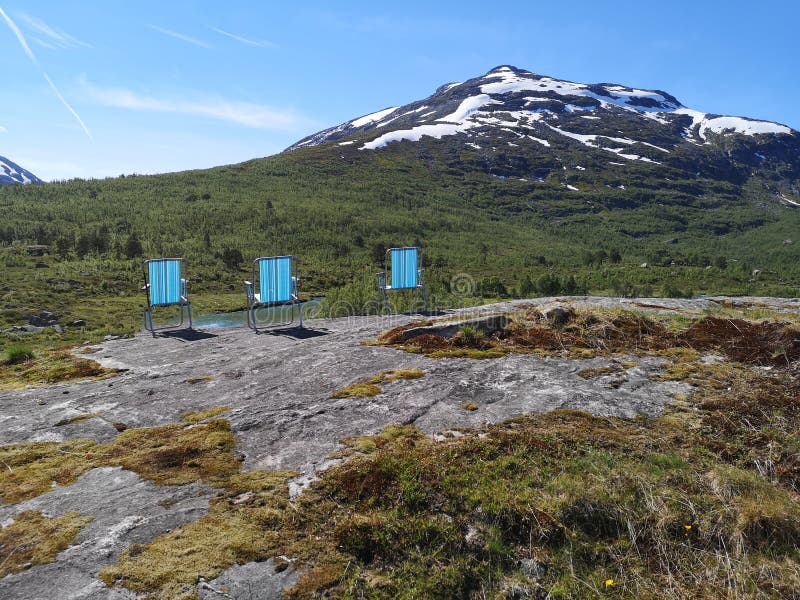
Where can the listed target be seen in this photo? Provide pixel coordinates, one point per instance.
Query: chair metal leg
(149, 320)
(424, 298)
(252, 313)
(386, 302)
(300, 313)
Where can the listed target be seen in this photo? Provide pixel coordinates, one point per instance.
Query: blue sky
(147, 87)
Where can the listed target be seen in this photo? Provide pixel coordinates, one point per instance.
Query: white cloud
(55, 37)
(180, 36)
(3, 129)
(257, 116)
(244, 40)
(44, 44)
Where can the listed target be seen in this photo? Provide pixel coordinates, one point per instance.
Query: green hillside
(336, 209)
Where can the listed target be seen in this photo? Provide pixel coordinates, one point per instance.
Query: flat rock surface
(278, 387)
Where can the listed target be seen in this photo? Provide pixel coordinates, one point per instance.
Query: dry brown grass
(592, 332)
(668, 508)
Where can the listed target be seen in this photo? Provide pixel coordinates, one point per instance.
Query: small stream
(264, 315)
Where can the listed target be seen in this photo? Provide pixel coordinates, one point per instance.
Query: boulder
(43, 319)
(558, 315)
(487, 325)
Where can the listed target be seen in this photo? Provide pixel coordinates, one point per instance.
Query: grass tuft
(357, 390)
(18, 354)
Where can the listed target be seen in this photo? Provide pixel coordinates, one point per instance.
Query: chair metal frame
(388, 267)
(294, 298)
(183, 302)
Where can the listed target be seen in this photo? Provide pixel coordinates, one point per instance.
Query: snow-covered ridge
(502, 84)
(515, 100)
(513, 82)
(12, 173)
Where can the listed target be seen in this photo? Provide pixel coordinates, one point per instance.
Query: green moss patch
(357, 390)
(242, 525)
(49, 367)
(33, 539)
(168, 455)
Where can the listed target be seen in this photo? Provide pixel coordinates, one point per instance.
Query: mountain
(12, 173)
(515, 123)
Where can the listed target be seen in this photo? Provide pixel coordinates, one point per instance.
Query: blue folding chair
(164, 286)
(405, 273)
(277, 286)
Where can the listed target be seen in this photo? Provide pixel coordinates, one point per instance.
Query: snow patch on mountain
(468, 107)
(373, 117)
(12, 173)
(435, 131)
(722, 125)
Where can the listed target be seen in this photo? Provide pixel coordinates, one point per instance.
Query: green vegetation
(510, 237)
(397, 374)
(33, 539)
(701, 502)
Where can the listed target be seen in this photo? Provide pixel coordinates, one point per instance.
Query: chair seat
(389, 287)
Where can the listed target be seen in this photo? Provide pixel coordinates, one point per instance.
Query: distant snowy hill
(12, 173)
(515, 123)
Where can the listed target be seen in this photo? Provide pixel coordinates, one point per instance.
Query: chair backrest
(404, 267)
(275, 278)
(164, 277)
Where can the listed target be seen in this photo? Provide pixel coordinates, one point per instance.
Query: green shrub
(18, 354)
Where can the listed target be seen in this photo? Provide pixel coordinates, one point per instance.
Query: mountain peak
(12, 173)
(528, 118)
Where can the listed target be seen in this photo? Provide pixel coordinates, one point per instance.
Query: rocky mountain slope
(512, 122)
(12, 173)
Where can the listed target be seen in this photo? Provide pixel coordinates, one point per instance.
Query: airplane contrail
(19, 35)
(69, 108)
(32, 56)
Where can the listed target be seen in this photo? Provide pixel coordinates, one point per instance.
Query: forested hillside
(337, 212)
